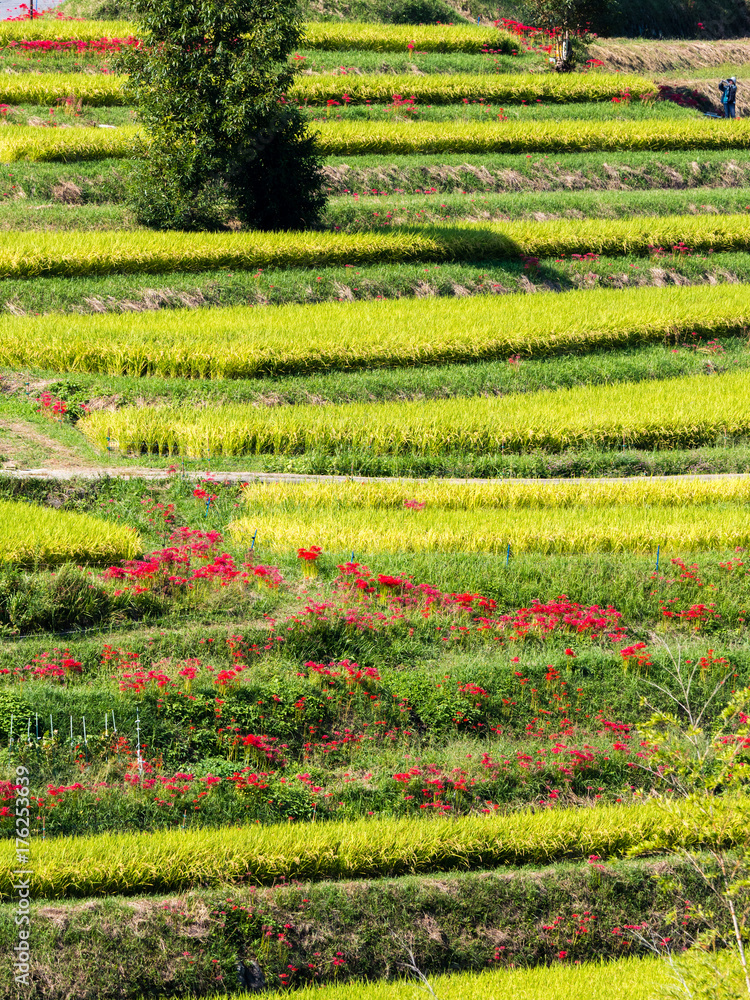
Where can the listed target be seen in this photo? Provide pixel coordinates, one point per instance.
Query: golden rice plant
(33, 534)
(345, 35)
(31, 254)
(66, 144)
(61, 30)
(547, 530)
(563, 517)
(624, 979)
(28, 254)
(682, 412)
(449, 88)
(452, 88)
(245, 341)
(492, 494)
(318, 35)
(173, 860)
(353, 138)
(46, 88)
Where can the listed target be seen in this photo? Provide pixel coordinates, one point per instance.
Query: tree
(582, 16)
(210, 80)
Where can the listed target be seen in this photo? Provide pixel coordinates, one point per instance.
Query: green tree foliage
(209, 81)
(596, 16)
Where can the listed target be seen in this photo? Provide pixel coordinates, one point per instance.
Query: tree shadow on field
(482, 245)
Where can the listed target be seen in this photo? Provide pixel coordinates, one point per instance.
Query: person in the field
(728, 89)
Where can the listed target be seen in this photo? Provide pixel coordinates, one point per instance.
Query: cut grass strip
(356, 215)
(243, 342)
(30, 255)
(116, 293)
(136, 864)
(686, 412)
(561, 172)
(34, 535)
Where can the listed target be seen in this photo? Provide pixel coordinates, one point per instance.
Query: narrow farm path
(133, 472)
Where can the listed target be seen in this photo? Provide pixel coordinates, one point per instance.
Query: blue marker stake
(352, 557)
(657, 557)
(252, 544)
(208, 504)
(507, 557)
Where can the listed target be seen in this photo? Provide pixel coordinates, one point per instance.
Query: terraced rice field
(341, 571)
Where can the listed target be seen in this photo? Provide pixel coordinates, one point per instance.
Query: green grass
(322, 61)
(103, 180)
(368, 923)
(537, 172)
(280, 286)
(362, 213)
(59, 112)
(55, 216)
(716, 73)
(96, 182)
(477, 110)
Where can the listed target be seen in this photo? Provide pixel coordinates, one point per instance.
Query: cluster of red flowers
(59, 666)
(171, 569)
(74, 45)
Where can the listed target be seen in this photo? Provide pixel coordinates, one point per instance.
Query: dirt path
(120, 472)
(22, 444)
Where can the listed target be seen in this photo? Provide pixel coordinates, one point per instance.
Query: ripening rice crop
(133, 864)
(416, 516)
(452, 88)
(318, 35)
(624, 979)
(398, 37)
(683, 412)
(59, 29)
(28, 254)
(46, 88)
(247, 342)
(32, 534)
(449, 88)
(353, 138)
(23, 142)
(457, 495)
